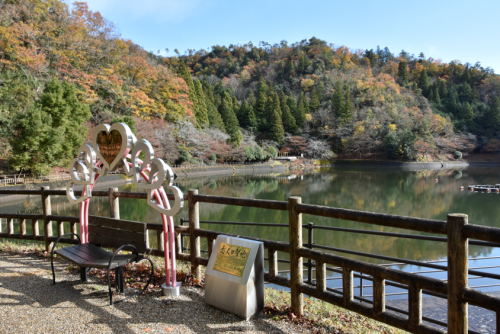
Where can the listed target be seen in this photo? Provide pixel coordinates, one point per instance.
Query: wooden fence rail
(456, 229)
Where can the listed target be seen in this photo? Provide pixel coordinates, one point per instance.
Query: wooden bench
(111, 233)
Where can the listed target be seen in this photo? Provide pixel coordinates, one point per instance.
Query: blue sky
(448, 30)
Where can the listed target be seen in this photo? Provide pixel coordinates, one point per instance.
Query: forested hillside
(64, 70)
(361, 101)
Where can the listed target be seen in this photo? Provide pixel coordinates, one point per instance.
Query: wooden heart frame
(154, 172)
(128, 140)
(159, 172)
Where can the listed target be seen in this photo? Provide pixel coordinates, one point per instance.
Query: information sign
(234, 279)
(231, 259)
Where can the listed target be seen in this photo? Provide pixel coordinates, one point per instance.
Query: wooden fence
(456, 229)
(15, 179)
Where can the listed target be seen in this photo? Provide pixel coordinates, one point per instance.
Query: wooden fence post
(47, 210)
(458, 266)
(114, 204)
(296, 273)
(194, 223)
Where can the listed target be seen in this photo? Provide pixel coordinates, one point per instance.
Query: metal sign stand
(240, 292)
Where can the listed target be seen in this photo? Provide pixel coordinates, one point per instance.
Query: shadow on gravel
(26, 285)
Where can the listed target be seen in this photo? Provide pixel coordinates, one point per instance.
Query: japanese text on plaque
(231, 259)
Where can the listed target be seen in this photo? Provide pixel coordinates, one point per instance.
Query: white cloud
(155, 10)
(433, 51)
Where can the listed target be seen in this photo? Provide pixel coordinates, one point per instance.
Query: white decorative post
(116, 145)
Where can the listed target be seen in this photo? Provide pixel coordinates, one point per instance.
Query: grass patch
(320, 316)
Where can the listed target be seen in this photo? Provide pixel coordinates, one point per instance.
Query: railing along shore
(456, 233)
(15, 179)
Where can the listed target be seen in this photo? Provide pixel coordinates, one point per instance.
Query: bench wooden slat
(78, 255)
(107, 232)
(92, 250)
(113, 242)
(71, 257)
(82, 255)
(119, 224)
(118, 234)
(98, 254)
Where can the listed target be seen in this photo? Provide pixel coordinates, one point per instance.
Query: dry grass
(322, 317)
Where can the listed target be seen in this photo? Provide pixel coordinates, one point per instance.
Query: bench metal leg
(83, 273)
(119, 278)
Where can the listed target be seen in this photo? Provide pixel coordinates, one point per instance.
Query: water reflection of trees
(402, 193)
(408, 193)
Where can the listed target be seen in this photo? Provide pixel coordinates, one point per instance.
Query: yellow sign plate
(231, 259)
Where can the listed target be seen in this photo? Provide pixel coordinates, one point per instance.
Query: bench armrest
(52, 253)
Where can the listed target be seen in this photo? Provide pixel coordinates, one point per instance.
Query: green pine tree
(288, 120)
(217, 101)
(315, 102)
(403, 76)
(304, 63)
(184, 73)
(436, 97)
(51, 131)
(262, 86)
(348, 106)
(260, 111)
(493, 115)
(276, 131)
(247, 117)
(290, 102)
(236, 105)
(300, 114)
(467, 113)
(268, 115)
(283, 99)
(230, 121)
(452, 103)
(338, 101)
(209, 92)
(277, 103)
(466, 94)
(307, 107)
(214, 117)
(443, 90)
(202, 116)
(251, 98)
(321, 90)
(466, 75)
(424, 83)
(291, 68)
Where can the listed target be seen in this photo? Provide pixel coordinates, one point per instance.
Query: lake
(384, 190)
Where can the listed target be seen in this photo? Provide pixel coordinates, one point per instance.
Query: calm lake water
(408, 193)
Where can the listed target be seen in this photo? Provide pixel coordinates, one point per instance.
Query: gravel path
(29, 303)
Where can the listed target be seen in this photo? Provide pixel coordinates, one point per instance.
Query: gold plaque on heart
(109, 145)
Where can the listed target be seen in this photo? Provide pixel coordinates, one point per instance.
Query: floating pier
(487, 188)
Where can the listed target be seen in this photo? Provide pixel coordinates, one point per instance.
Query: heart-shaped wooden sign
(112, 144)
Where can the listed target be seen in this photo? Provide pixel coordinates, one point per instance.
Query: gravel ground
(29, 303)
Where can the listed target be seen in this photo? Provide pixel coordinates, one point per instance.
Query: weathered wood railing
(456, 229)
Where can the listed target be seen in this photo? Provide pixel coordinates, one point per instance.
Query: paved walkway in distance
(480, 320)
